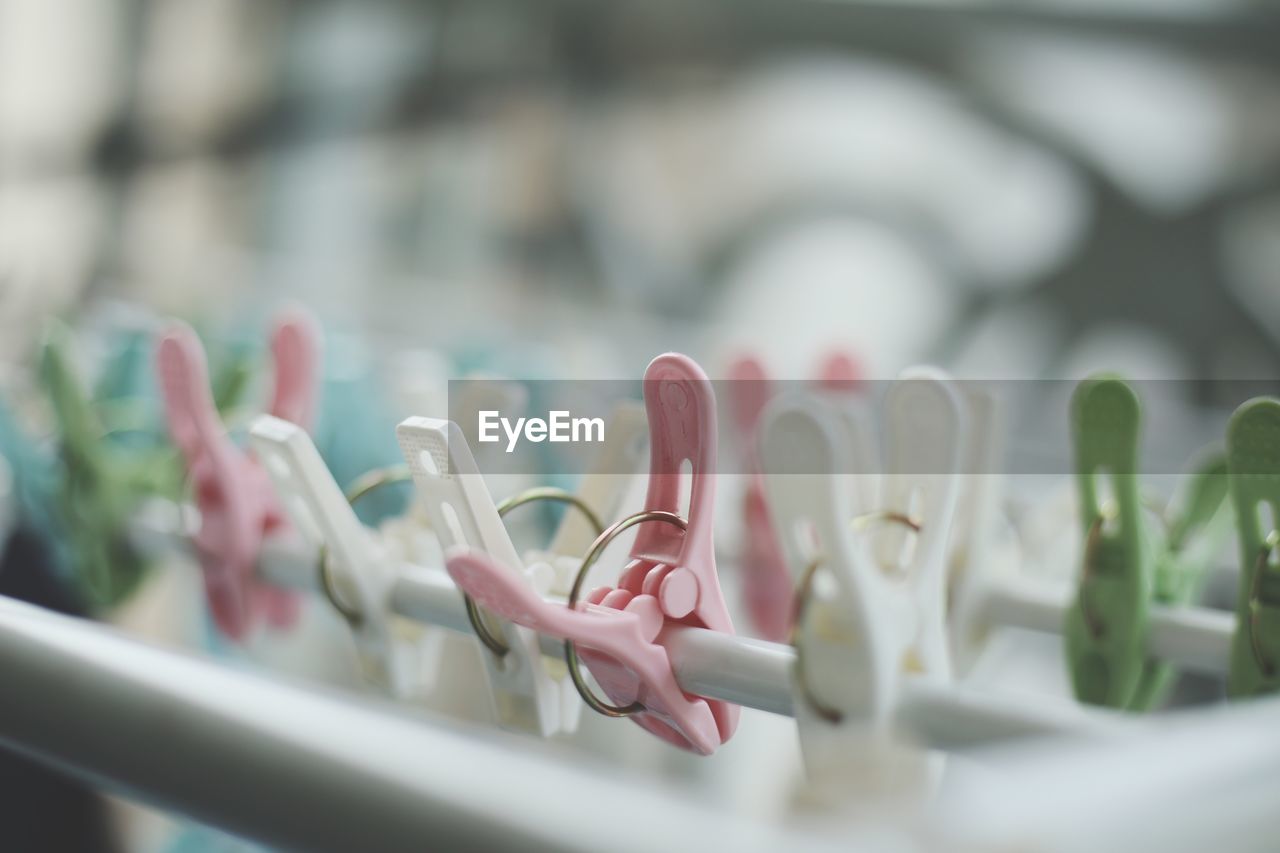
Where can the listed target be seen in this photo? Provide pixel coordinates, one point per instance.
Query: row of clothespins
(872, 582)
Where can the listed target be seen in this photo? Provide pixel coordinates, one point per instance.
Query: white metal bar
(1197, 639)
(745, 671)
(304, 770)
(1186, 781)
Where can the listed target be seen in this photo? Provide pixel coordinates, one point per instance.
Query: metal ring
(803, 590)
(593, 554)
(1093, 622)
(1268, 666)
(861, 522)
(1092, 538)
(364, 485)
(491, 641)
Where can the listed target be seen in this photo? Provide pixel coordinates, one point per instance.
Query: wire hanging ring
(593, 554)
(491, 641)
(804, 590)
(1093, 538)
(862, 522)
(363, 486)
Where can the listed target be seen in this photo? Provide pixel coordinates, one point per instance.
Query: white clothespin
(983, 535)
(361, 564)
(462, 512)
(876, 605)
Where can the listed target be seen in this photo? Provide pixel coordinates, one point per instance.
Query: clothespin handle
(1253, 459)
(682, 429)
(1106, 624)
(627, 636)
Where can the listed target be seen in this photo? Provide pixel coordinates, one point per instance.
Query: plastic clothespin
(766, 581)
(238, 507)
(102, 483)
(767, 585)
(882, 614)
(670, 580)
(978, 510)
(457, 502)
(1253, 456)
(1129, 562)
(401, 657)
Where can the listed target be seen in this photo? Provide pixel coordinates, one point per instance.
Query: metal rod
(748, 672)
(303, 770)
(1197, 639)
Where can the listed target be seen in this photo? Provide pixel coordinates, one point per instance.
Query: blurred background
(1025, 189)
(1021, 189)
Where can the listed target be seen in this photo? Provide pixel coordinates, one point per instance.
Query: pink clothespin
(670, 582)
(840, 371)
(238, 506)
(766, 581)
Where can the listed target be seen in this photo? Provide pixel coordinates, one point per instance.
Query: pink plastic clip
(670, 581)
(629, 640)
(238, 506)
(766, 582)
(840, 371)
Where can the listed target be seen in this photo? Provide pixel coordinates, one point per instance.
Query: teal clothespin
(1253, 456)
(1129, 562)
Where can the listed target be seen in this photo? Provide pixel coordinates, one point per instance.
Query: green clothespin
(1129, 562)
(101, 483)
(1253, 456)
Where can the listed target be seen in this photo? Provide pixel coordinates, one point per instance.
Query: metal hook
(570, 650)
(862, 522)
(491, 641)
(364, 485)
(804, 590)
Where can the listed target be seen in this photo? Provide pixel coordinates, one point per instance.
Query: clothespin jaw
(101, 485)
(233, 493)
(1106, 624)
(365, 572)
(1253, 459)
(455, 499)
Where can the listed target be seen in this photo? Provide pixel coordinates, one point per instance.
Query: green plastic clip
(1131, 561)
(113, 452)
(102, 482)
(1253, 456)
